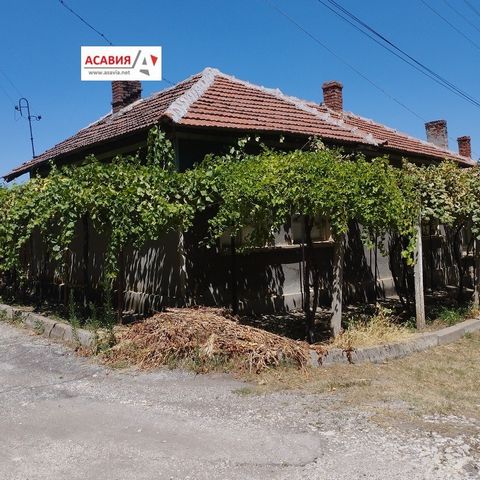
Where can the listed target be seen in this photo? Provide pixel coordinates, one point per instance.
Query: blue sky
(246, 38)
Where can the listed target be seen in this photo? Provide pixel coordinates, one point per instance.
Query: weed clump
(376, 330)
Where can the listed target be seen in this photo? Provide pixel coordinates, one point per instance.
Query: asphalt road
(65, 417)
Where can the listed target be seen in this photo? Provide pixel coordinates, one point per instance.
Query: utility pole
(24, 105)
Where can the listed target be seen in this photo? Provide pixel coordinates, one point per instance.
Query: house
(206, 113)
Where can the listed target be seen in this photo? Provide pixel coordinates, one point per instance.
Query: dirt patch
(203, 339)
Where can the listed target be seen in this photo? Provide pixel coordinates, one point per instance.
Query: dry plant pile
(203, 339)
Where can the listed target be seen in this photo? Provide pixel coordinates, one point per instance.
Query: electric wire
(98, 32)
(448, 22)
(9, 80)
(73, 12)
(372, 37)
(399, 53)
(472, 7)
(460, 14)
(7, 95)
(347, 64)
(342, 60)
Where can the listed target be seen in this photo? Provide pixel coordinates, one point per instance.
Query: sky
(249, 39)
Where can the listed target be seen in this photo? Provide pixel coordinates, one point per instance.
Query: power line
(460, 14)
(9, 80)
(448, 22)
(73, 12)
(342, 60)
(98, 32)
(10, 98)
(346, 63)
(472, 7)
(388, 45)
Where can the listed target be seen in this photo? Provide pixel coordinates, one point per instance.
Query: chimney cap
(436, 122)
(332, 83)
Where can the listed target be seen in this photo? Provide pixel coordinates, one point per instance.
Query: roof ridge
(304, 105)
(180, 106)
(128, 107)
(410, 137)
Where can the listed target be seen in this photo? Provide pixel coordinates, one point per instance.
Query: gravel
(67, 417)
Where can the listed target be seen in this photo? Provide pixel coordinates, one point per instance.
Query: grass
(375, 330)
(449, 316)
(383, 327)
(443, 380)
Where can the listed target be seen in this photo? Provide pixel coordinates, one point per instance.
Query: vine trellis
(133, 199)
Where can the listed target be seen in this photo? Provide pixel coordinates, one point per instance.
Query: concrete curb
(381, 353)
(377, 354)
(50, 328)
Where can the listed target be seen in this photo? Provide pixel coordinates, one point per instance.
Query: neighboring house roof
(212, 99)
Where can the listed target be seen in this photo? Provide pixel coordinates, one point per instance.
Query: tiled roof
(212, 99)
(396, 141)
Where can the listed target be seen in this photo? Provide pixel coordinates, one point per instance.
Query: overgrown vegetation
(138, 198)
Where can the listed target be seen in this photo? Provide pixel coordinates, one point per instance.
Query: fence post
(337, 294)
(86, 276)
(476, 274)
(418, 274)
(120, 285)
(233, 275)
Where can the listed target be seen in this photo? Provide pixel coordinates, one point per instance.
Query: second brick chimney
(125, 93)
(464, 147)
(437, 133)
(332, 95)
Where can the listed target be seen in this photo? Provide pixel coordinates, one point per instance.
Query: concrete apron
(377, 354)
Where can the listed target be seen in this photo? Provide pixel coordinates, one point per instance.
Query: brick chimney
(125, 93)
(332, 95)
(437, 133)
(464, 147)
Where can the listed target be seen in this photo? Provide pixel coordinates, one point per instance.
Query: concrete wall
(181, 270)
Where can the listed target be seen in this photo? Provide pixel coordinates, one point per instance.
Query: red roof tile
(212, 99)
(397, 141)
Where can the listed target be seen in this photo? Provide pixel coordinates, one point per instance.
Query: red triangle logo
(154, 59)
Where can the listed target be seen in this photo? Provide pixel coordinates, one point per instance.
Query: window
(287, 236)
(240, 238)
(320, 232)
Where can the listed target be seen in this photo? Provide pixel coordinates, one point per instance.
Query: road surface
(66, 417)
